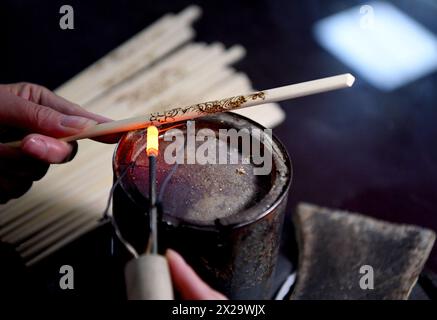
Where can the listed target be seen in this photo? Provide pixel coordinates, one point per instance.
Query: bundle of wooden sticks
(156, 69)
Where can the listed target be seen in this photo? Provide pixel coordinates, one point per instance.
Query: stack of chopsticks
(157, 69)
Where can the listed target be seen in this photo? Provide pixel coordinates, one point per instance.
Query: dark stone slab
(334, 245)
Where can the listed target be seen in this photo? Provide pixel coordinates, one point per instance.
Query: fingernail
(174, 255)
(72, 154)
(77, 122)
(169, 253)
(36, 147)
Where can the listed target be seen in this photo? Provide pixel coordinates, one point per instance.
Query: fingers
(48, 116)
(35, 146)
(19, 168)
(24, 167)
(52, 100)
(18, 112)
(10, 189)
(43, 96)
(17, 172)
(10, 153)
(47, 149)
(37, 109)
(189, 285)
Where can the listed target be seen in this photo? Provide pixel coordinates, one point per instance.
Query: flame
(152, 141)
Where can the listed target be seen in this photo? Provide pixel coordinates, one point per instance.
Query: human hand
(186, 282)
(37, 116)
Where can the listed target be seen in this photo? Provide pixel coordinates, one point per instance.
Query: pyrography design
(205, 107)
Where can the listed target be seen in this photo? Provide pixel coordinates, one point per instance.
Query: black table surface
(360, 149)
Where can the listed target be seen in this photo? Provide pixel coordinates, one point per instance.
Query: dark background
(359, 149)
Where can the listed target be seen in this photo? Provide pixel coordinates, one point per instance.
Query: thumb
(189, 285)
(21, 113)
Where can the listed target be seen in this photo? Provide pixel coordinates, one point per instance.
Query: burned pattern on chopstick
(209, 107)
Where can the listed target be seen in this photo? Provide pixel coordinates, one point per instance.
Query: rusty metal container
(225, 220)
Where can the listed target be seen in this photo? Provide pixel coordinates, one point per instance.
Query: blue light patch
(382, 44)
